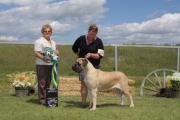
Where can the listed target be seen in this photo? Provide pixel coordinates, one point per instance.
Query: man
(91, 47)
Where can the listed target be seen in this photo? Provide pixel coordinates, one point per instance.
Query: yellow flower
(24, 79)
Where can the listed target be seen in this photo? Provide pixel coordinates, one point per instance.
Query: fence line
(152, 46)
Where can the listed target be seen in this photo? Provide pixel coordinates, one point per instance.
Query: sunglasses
(47, 31)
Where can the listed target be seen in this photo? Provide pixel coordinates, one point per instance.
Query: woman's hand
(56, 52)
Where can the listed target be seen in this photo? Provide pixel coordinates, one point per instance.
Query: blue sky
(119, 21)
(122, 11)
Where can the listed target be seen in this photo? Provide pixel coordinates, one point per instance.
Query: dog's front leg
(94, 97)
(90, 99)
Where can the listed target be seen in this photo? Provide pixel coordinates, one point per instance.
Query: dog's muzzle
(77, 68)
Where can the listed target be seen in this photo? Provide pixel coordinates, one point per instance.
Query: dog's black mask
(77, 68)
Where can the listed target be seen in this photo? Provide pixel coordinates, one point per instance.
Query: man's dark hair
(93, 28)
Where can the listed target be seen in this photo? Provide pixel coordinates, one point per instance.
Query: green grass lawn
(135, 62)
(108, 108)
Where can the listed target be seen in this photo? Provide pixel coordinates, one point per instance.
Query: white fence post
(115, 58)
(178, 60)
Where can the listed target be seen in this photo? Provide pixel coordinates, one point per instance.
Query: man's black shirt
(81, 46)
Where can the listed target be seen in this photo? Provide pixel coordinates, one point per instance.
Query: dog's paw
(132, 105)
(122, 104)
(90, 105)
(92, 109)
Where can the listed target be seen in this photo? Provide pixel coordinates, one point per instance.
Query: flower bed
(173, 86)
(23, 81)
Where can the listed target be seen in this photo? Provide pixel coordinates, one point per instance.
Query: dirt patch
(70, 86)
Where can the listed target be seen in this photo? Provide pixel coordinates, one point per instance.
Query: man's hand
(92, 55)
(88, 55)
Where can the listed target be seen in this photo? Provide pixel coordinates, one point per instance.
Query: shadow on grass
(33, 100)
(107, 105)
(110, 105)
(13, 95)
(78, 104)
(73, 104)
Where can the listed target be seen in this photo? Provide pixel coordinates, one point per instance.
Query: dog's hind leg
(119, 92)
(122, 100)
(131, 101)
(126, 92)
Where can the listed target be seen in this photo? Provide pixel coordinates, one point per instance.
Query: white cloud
(57, 26)
(7, 38)
(23, 2)
(165, 29)
(25, 21)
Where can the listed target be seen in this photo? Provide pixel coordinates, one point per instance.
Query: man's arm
(76, 45)
(99, 54)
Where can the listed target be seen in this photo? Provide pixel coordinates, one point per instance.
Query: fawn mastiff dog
(96, 79)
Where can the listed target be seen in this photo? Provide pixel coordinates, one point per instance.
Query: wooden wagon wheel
(154, 81)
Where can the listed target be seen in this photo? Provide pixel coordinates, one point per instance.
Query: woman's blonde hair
(45, 26)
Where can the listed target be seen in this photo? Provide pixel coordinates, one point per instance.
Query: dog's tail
(131, 82)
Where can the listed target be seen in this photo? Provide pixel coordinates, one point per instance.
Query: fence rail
(150, 46)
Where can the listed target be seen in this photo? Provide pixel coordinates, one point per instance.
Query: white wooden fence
(118, 57)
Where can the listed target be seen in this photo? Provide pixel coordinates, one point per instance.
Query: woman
(91, 47)
(43, 63)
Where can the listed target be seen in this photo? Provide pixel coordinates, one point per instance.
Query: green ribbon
(54, 76)
(54, 72)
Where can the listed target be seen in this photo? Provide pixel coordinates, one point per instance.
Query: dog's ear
(85, 62)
